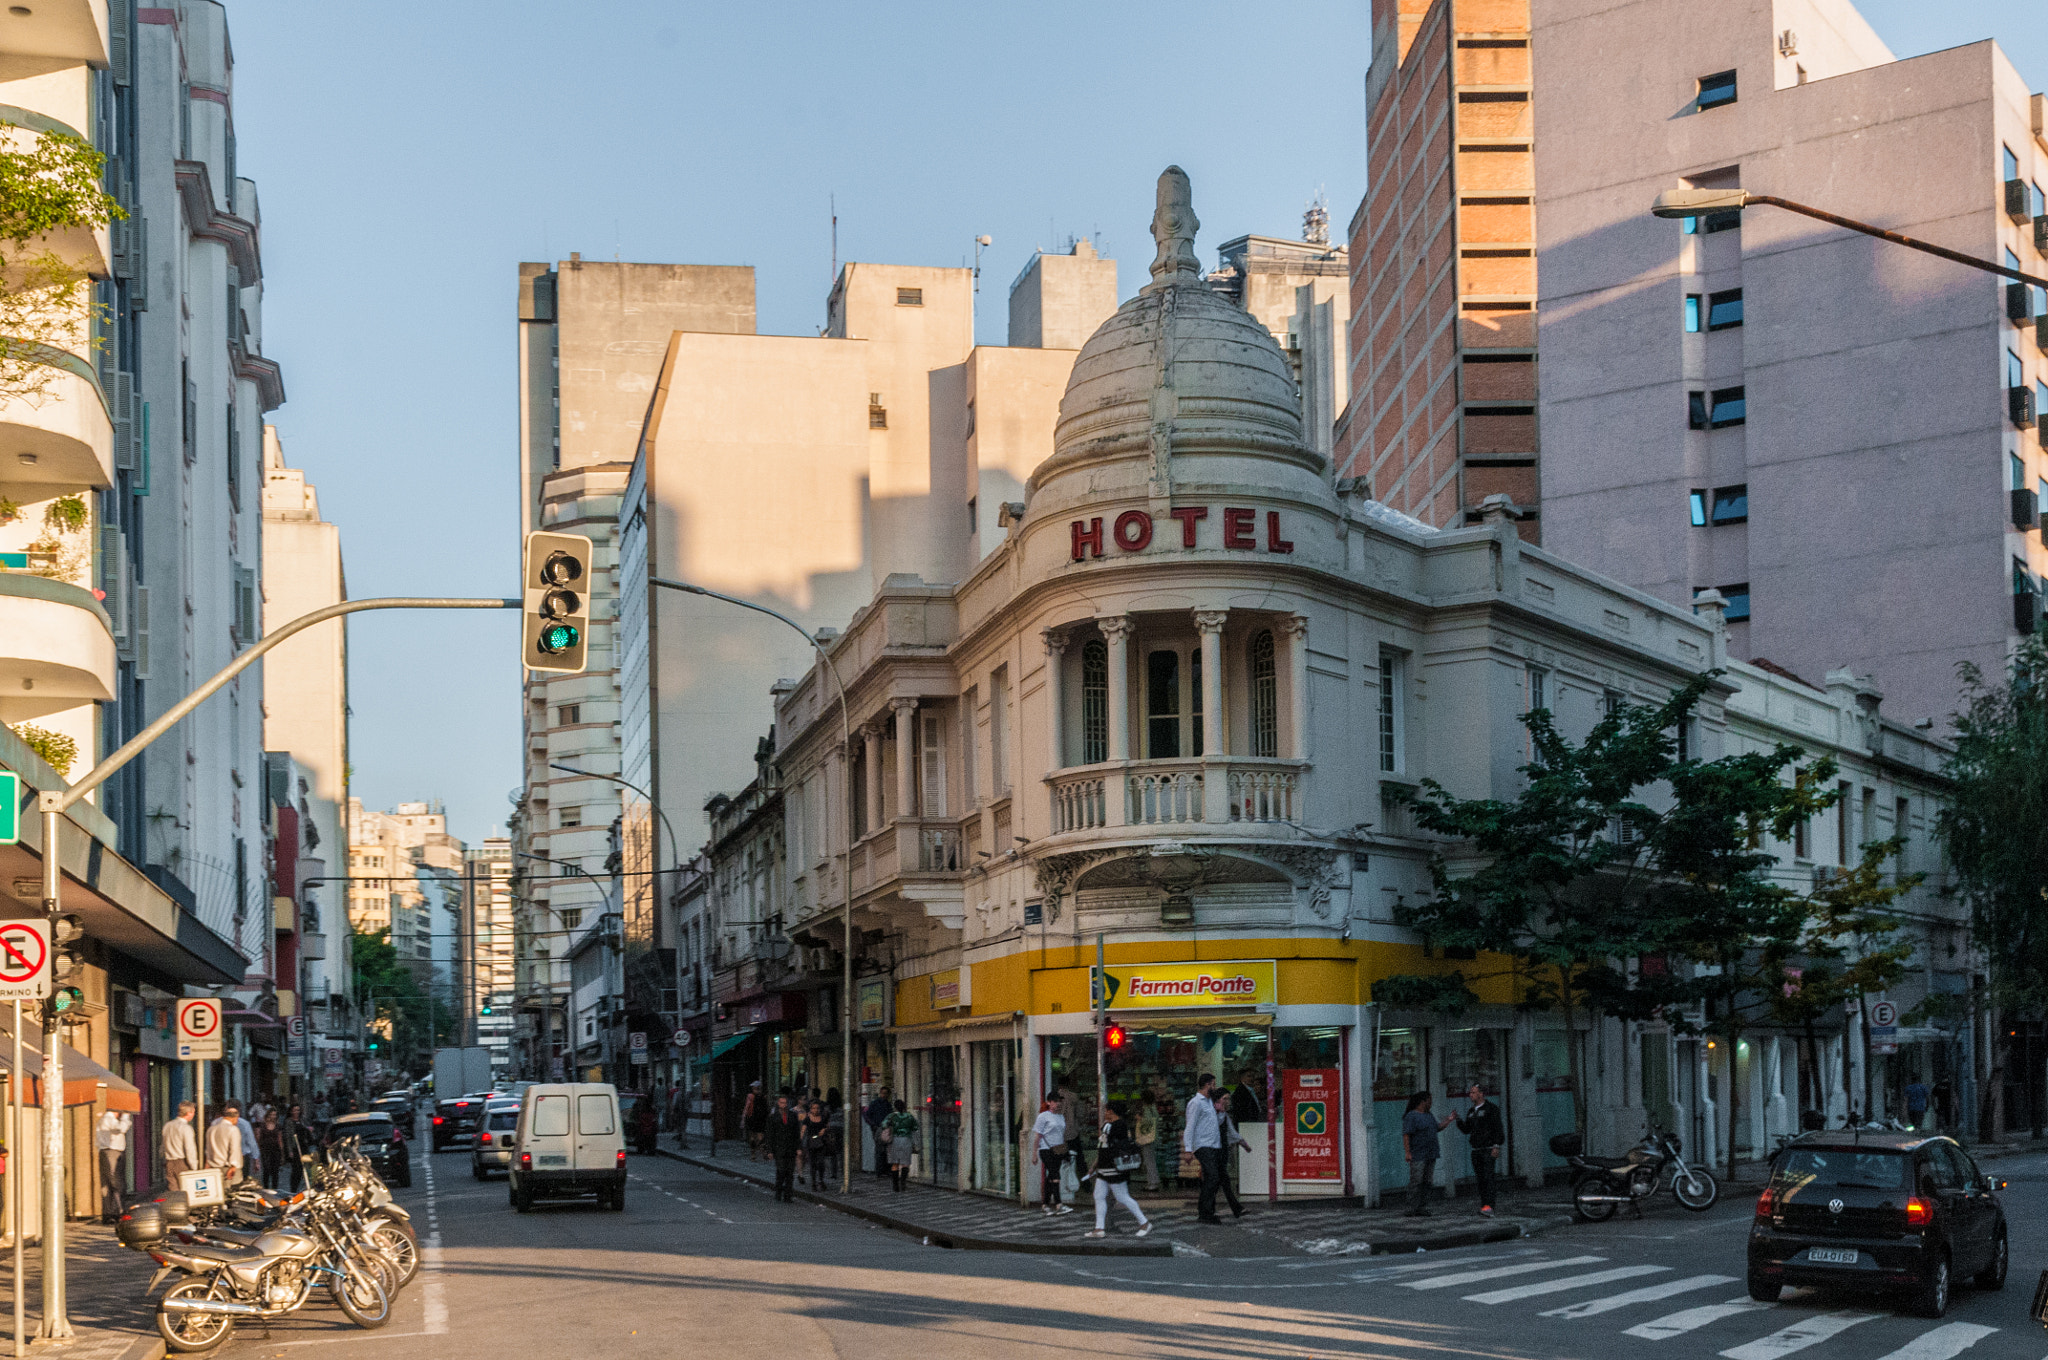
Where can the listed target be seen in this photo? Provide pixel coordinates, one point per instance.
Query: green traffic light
(557, 638)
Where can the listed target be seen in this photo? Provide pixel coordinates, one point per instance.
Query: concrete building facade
(486, 949)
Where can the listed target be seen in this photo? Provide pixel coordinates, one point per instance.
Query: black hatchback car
(383, 1142)
(1891, 1212)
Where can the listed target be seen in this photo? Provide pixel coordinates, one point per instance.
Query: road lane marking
(1530, 1291)
(1797, 1337)
(435, 1296)
(1474, 1276)
(1949, 1339)
(1691, 1319)
(1446, 1262)
(1646, 1294)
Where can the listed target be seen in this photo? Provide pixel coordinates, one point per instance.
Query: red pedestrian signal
(1114, 1037)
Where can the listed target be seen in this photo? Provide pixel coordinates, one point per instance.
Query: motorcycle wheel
(399, 1250)
(192, 1331)
(365, 1263)
(1696, 1189)
(1591, 1211)
(363, 1298)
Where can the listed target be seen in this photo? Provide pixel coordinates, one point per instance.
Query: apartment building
(404, 876)
(1840, 435)
(486, 949)
(1442, 378)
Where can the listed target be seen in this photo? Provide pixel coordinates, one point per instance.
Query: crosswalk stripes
(1475, 1276)
(1806, 1332)
(1949, 1339)
(1647, 1294)
(1530, 1291)
(1691, 1319)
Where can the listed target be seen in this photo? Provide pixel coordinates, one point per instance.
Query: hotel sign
(1132, 531)
(1178, 986)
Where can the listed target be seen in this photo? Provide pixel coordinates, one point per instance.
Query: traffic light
(1114, 1037)
(487, 1008)
(557, 584)
(67, 967)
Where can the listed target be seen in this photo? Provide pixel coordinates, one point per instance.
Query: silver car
(492, 1149)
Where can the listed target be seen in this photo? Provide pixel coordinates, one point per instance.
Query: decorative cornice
(267, 376)
(207, 223)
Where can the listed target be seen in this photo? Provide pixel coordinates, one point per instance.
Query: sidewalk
(105, 1281)
(973, 1222)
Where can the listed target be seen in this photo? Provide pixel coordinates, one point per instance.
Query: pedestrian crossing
(1509, 1278)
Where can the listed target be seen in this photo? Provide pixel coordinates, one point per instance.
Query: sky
(410, 155)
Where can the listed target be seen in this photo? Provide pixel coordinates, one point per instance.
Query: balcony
(917, 859)
(56, 647)
(53, 34)
(62, 440)
(1176, 793)
(88, 249)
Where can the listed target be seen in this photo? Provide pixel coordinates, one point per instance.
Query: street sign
(10, 809)
(636, 1043)
(682, 1038)
(295, 1025)
(1884, 1014)
(24, 960)
(198, 1028)
(331, 1057)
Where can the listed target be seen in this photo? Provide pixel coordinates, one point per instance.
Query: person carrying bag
(1116, 1158)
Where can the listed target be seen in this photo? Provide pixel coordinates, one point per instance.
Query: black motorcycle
(1600, 1185)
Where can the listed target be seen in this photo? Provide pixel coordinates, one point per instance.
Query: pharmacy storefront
(1279, 1034)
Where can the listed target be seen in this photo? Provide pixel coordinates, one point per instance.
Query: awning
(84, 1080)
(727, 1045)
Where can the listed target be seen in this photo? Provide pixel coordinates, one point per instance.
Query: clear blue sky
(410, 155)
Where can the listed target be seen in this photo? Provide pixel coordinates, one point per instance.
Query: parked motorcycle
(1600, 1185)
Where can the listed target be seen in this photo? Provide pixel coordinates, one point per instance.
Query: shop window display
(1401, 1071)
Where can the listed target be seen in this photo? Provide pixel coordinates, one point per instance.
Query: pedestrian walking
(817, 1129)
(783, 1138)
(224, 1152)
(180, 1144)
(1116, 1157)
(876, 1117)
(754, 1121)
(1049, 1138)
(1146, 1131)
(1481, 1123)
(1419, 1129)
(270, 1149)
(1916, 1102)
(1203, 1137)
(252, 1152)
(299, 1141)
(110, 1136)
(1226, 1129)
(903, 1130)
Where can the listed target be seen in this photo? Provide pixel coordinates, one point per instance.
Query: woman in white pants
(1116, 1157)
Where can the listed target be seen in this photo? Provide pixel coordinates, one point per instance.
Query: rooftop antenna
(833, 201)
(972, 303)
(1315, 223)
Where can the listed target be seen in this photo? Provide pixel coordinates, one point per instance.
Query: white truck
(461, 1072)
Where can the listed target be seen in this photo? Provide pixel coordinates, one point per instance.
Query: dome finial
(1174, 225)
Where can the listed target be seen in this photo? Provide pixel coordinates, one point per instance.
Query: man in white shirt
(224, 1143)
(110, 1136)
(180, 1144)
(1049, 1137)
(1202, 1135)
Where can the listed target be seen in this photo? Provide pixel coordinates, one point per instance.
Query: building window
(571, 920)
(1737, 597)
(1724, 310)
(1902, 825)
(2011, 163)
(1094, 701)
(1692, 313)
(1731, 504)
(1195, 701)
(1800, 848)
(1698, 501)
(2015, 371)
(1538, 688)
(1162, 705)
(1717, 89)
(2019, 471)
(1266, 700)
(973, 517)
(1392, 712)
(568, 715)
(910, 297)
(999, 731)
(1708, 223)
(572, 816)
(931, 755)
(1716, 410)
(878, 414)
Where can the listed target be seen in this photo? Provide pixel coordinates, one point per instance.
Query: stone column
(1209, 623)
(1295, 629)
(1116, 632)
(1055, 711)
(906, 756)
(871, 758)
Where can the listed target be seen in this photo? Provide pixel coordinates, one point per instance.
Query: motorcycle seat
(1607, 1163)
(219, 1251)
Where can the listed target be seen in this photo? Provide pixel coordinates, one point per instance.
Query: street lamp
(1702, 202)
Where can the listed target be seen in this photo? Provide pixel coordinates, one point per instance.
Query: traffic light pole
(53, 803)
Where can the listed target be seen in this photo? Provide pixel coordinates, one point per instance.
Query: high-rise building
(1840, 435)
(404, 876)
(486, 949)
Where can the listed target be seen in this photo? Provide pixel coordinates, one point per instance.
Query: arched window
(1265, 698)
(1094, 702)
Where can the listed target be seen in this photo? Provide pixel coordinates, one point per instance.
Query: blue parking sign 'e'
(10, 807)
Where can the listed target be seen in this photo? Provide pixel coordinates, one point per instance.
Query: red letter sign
(1237, 528)
(1189, 516)
(1275, 543)
(1089, 538)
(1133, 530)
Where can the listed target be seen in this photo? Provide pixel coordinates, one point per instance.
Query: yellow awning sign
(1227, 982)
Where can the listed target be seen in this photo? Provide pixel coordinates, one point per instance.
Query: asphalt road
(698, 1263)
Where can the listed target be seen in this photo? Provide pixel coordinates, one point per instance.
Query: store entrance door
(942, 1107)
(1401, 1070)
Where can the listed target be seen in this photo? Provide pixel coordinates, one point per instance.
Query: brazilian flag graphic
(1312, 1117)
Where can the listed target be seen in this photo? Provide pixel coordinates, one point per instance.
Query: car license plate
(1831, 1256)
(563, 1160)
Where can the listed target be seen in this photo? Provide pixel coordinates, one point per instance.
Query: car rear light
(1766, 1204)
(622, 1156)
(1919, 1211)
(525, 1161)
(397, 1137)
(486, 1137)
(437, 1119)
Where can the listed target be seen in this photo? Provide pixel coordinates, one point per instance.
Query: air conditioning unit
(2019, 404)
(2019, 201)
(2041, 233)
(2019, 302)
(2025, 512)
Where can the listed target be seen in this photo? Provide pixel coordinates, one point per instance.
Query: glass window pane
(1162, 705)
(594, 1114)
(1692, 311)
(1717, 90)
(1724, 310)
(1699, 509)
(1094, 702)
(551, 1116)
(1731, 504)
(1731, 407)
(2015, 371)
(1266, 700)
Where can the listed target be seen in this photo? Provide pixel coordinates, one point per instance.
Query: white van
(570, 1142)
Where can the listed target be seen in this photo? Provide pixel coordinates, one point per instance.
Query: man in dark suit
(785, 1137)
(1483, 1126)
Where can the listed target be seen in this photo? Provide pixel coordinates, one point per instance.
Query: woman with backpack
(1116, 1158)
(901, 1128)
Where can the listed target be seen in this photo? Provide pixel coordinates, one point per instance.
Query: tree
(1995, 829)
(386, 989)
(49, 183)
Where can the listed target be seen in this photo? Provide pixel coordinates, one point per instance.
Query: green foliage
(385, 989)
(50, 181)
(66, 514)
(1842, 951)
(1995, 825)
(57, 750)
(1441, 994)
(10, 510)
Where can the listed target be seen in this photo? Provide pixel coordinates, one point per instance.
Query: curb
(933, 1236)
(1472, 1237)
